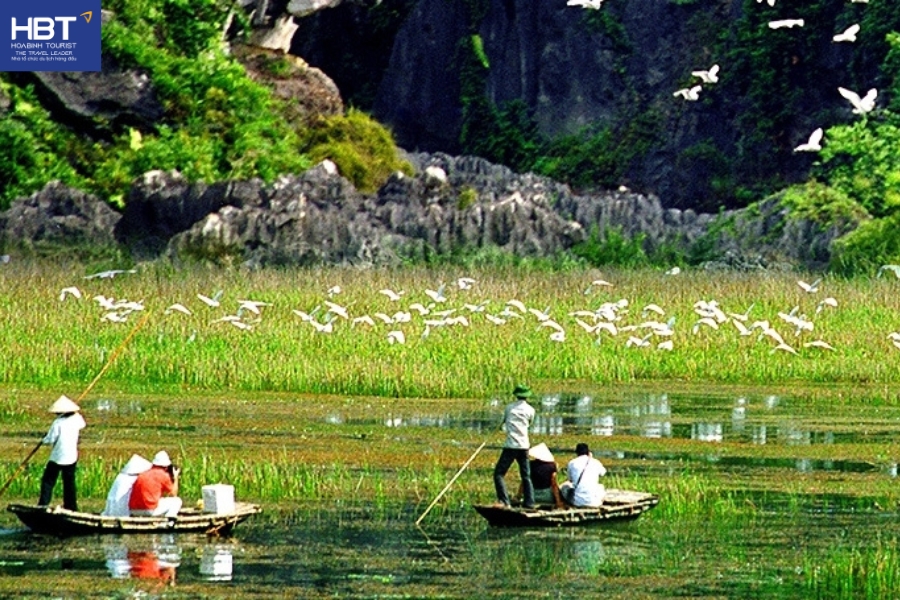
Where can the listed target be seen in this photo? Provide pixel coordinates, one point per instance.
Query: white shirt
(63, 435)
(516, 419)
(585, 472)
(119, 493)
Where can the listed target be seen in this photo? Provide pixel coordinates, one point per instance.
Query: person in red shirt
(147, 498)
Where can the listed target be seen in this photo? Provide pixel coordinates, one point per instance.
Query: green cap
(522, 391)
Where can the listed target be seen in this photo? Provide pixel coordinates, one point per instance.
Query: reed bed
(869, 573)
(54, 343)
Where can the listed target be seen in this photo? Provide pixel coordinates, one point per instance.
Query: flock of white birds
(861, 104)
(608, 322)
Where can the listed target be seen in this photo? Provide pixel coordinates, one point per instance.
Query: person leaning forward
(63, 436)
(517, 418)
(583, 489)
(543, 476)
(147, 499)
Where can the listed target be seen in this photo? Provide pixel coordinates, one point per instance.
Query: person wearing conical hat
(543, 476)
(517, 418)
(63, 437)
(120, 492)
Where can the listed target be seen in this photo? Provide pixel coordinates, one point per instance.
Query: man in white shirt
(583, 489)
(517, 418)
(63, 436)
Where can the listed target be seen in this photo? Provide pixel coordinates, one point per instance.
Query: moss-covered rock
(363, 150)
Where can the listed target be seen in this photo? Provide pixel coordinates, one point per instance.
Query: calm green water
(321, 553)
(354, 550)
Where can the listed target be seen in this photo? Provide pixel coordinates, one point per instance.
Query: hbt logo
(44, 28)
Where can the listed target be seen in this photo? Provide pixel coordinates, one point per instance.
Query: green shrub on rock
(865, 249)
(363, 150)
(823, 204)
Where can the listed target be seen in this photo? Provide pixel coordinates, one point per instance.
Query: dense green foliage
(861, 160)
(32, 147)
(218, 123)
(865, 249)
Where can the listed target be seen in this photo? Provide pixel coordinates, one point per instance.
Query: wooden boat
(618, 505)
(62, 522)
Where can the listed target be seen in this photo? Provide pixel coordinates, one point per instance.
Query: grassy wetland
(53, 342)
(346, 437)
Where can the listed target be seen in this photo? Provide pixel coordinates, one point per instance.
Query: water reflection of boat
(618, 505)
(157, 556)
(61, 522)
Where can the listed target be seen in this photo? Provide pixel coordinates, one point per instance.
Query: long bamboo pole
(109, 361)
(447, 487)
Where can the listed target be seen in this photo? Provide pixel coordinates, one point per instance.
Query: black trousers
(48, 482)
(507, 457)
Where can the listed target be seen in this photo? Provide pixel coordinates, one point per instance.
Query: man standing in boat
(147, 494)
(63, 436)
(583, 489)
(517, 418)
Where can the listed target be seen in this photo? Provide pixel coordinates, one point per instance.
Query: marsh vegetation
(773, 468)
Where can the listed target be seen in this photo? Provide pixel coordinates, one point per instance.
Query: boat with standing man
(618, 505)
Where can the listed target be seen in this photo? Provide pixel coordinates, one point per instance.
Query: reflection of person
(120, 492)
(543, 476)
(63, 436)
(146, 565)
(583, 487)
(517, 418)
(147, 499)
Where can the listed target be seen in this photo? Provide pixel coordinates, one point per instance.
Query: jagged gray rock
(55, 217)
(99, 103)
(163, 204)
(452, 205)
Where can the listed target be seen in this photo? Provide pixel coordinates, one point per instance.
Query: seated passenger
(543, 476)
(120, 492)
(584, 488)
(147, 494)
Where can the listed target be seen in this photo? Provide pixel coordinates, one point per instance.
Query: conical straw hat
(136, 465)
(64, 405)
(541, 452)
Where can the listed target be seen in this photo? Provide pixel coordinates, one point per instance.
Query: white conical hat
(541, 452)
(136, 465)
(162, 459)
(64, 405)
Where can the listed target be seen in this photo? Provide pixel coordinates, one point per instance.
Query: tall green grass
(50, 343)
(867, 573)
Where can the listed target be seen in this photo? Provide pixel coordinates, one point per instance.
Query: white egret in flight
(786, 23)
(860, 105)
(848, 35)
(813, 144)
(710, 75)
(691, 94)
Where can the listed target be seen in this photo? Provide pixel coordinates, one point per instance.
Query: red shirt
(149, 487)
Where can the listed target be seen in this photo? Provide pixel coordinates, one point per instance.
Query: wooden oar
(112, 357)
(447, 487)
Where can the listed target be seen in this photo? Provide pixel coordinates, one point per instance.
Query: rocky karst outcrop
(57, 217)
(451, 205)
